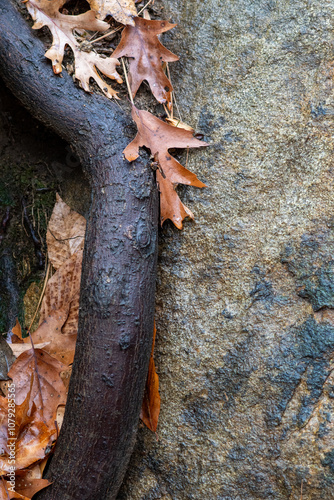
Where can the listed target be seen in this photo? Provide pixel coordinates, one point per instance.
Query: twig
(167, 112)
(106, 34)
(169, 78)
(127, 82)
(142, 10)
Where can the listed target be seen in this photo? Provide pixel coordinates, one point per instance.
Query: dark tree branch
(119, 269)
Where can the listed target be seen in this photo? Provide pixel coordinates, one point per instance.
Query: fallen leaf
(121, 10)
(23, 433)
(48, 390)
(7, 494)
(151, 403)
(59, 345)
(142, 45)
(158, 136)
(63, 291)
(87, 62)
(65, 234)
(29, 482)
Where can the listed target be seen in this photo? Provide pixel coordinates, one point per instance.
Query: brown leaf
(59, 345)
(142, 45)
(48, 390)
(46, 13)
(158, 136)
(22, 431)
(151, 403)
(121, 10)
(7, 494)
(63, 291)
(65, 234)
(29, 482)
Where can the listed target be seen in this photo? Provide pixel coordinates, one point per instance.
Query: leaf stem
(106, 34)
(127, 81)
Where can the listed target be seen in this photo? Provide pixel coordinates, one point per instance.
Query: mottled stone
(244, 358)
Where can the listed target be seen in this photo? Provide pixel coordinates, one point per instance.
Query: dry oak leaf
(46, 13)
(7, 494)
(142, 45)
(121, 10)
(158, 136)
(48, 390)
(63, 292)
(28, 482)
(151, 403)
(22, 430)
(65, 234)
(59, 345)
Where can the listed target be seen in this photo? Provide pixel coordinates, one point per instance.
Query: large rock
(245, 328)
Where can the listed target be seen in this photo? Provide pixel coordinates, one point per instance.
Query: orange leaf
(6, 493)
(151, 403)
(141, 43)
(48, 390)
(23, 434)
(29, 482)
(158, 136)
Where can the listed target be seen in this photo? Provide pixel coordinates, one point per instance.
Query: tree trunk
(119, 270)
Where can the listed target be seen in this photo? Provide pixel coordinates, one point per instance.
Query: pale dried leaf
(60, 416)
(66, 233)
(175, 122)
(46, 13)
(20, 348)
(121, 10)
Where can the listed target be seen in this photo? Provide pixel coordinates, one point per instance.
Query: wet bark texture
(245, 328)
(119, 270)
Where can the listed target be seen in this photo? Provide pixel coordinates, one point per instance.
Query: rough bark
(119, 269)
(244, 358)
